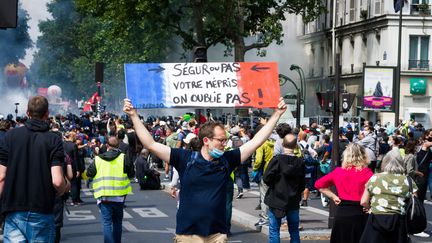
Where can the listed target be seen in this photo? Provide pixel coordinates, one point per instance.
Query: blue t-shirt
(203, 191)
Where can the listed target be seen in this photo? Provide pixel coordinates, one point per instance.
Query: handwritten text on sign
(241, 84)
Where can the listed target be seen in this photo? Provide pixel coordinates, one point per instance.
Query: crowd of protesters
(282, 160)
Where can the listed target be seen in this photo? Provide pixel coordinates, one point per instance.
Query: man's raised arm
(247, 149)
(163, 152)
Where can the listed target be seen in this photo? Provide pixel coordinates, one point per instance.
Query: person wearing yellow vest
(111, 172)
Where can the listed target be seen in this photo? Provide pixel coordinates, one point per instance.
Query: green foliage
(14, 42)
(208, 22)
(72, 42)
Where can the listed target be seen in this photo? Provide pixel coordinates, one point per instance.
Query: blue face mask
(216, 153)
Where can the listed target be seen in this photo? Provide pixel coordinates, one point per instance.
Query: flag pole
(398, 71)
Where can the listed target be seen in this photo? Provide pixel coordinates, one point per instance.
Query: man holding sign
(204, 175)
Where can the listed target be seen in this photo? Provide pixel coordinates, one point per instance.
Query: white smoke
(9, 100)
(37, 11)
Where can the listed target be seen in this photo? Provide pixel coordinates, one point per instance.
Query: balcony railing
(418, 65)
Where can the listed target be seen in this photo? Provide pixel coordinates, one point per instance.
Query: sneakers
(240, 195)
(422, 235)
(261, 222)
(263, 216)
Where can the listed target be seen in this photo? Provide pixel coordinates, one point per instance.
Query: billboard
(378, 88)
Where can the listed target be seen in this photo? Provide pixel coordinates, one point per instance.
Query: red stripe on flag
(260, 82)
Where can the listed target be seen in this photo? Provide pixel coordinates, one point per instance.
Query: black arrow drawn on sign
(158, 69)
(258, 69)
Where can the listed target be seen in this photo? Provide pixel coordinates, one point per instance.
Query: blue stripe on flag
(144, 87)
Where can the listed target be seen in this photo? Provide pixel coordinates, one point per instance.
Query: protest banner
(168, 85)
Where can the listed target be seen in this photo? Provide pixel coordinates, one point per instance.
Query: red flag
(92, 101)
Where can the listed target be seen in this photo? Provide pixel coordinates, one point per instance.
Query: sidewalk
(313, 220)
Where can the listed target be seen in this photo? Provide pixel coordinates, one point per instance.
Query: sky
(37, 11)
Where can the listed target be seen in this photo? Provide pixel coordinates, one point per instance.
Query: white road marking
(254, 193)
(131, 228)
(80, 215)
(126, 215)
(149, 213)
(316, 210)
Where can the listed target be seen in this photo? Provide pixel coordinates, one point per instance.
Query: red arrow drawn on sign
(258, 69)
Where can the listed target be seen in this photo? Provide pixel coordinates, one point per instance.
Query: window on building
(419, 52)
(418, 5)
(378, 7)
(352, 10)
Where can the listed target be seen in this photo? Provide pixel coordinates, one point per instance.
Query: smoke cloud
(37, 12)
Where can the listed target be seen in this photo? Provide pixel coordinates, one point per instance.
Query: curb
(249, 221)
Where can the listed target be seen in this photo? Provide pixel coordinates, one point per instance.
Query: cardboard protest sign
(166, 85)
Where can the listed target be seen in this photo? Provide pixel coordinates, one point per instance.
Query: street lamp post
(282, 80)
(16, 110)
(302, 78)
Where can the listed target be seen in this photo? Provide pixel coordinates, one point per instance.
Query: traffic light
(8, 14)
(99, 72)
(347, 101)
(200, 54)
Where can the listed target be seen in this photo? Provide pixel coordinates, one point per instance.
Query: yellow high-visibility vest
(110, 180)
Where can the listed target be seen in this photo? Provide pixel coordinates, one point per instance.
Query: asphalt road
(150, 217)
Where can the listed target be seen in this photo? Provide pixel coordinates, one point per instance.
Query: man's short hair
(4, 125)
(121, 134)
(113, 142)
(282, 129)
(37, 107)
(207, 130)
(289, 141)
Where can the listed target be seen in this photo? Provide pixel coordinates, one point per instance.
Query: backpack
(307, 157)
(415, 217)
(148, 178)
(309, 161)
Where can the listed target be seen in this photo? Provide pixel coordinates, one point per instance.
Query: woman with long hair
(386, 194)
(349, 180)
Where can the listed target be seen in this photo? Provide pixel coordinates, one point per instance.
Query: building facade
(366, 34)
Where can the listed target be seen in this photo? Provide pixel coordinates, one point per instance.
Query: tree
(207, 23)
(72, 42)
(14, 42)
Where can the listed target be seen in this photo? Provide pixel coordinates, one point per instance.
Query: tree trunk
(199, 25)
(239, 44)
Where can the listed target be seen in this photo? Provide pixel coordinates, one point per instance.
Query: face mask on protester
(390, 143)
(429, 139)
(216, 153)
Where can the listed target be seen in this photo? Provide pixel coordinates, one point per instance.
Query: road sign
(239, 84)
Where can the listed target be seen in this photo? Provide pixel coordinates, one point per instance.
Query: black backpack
(415, 217)
(148, 178)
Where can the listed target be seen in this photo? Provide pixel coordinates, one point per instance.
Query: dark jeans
(244, 175)
(76, 189)
(112, 217)
(293, 219)
(422, 184)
